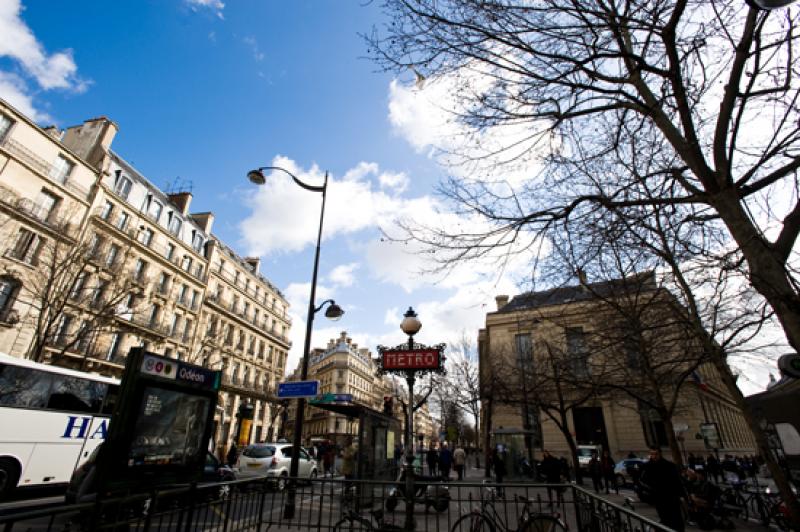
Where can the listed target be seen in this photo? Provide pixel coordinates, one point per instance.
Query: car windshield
(259, 451)
(585, 452)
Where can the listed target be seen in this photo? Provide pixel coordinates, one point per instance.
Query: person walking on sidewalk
(595, 472)
(433, 459)
(460, 461)
(551, 469)
(607, 469)
(445, 461)
(499, 470)
(664, 479)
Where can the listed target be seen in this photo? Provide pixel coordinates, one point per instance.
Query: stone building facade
(567, 330)
(132, 266)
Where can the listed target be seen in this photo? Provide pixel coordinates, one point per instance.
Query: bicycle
(488, 519)
(353, 521)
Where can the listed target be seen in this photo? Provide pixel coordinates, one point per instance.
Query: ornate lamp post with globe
(410, 359)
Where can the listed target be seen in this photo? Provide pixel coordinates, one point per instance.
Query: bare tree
(75, 292)
(464, 381)
(678, 109)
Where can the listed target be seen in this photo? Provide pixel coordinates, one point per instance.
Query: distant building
(133, 267)
(566, 330)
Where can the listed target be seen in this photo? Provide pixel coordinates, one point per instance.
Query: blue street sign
(296, 389)
(333, 398)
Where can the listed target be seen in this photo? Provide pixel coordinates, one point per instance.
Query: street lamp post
(333, 312)
(411, 326)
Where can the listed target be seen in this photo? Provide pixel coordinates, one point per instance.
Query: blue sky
(203, 91)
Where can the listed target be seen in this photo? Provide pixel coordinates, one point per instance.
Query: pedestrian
(433, 459)
(460, 461)
(712, 465)
(349, 459)
(328, 457)
(551, 470)
(445, 461)
(595, 472)
(607, 466)
(664, 482)
(233, 454)
(499, 470)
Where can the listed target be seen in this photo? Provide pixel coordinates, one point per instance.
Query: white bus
(51, 419)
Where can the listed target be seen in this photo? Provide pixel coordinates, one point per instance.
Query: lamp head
(256, 176)
(334, 311)
(410, 324)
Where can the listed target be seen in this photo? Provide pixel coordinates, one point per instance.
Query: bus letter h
(73, 424)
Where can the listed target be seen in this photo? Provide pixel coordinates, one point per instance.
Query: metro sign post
(411, 359)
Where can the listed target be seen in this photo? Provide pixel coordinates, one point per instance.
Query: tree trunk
(674, 446)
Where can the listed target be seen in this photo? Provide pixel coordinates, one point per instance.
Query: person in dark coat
(713, 468)
(445, 461)
(433, 460)
(607, 466)
(551, 469)
(664, 481)
(233, 455)
(499, 466)
(595, 472)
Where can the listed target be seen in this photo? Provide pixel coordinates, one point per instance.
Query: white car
(624, 467)
(274, 460)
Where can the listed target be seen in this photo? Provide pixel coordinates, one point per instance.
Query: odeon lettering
(191, 375)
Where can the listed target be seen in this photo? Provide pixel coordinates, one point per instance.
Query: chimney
(54, 132)
(205, 220)
(253, 262)
(181, 200)
(501, 301)
(91, 140)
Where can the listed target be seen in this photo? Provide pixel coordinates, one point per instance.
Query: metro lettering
(71, 426)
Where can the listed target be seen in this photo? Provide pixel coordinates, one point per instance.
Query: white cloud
(17, 41)
(293, 213)
(215, 6)
(397, 181)
(251, 41)
(343, 275)
(14, 90)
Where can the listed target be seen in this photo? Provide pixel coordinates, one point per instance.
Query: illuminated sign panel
(411, 359)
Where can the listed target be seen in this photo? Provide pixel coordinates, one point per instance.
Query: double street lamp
(333, 312)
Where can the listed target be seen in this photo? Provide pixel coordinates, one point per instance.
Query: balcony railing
(146, 322)
(40, 213)
(42, 166)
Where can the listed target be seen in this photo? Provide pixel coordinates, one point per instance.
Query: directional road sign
(297, 389)
(333, 398)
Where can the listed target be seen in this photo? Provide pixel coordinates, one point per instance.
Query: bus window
(110, 400)
(23, 387)
(76, 395)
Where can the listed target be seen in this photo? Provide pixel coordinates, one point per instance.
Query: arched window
(9, 289)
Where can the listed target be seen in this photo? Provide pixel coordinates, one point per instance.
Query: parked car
(585, 454)
(82, 487)
(626, 469)
(274, 460)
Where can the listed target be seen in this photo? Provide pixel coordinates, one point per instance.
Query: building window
(163, 283)
(170, 251)
(195, 298)
(99, 293)
(176, 320)
(175, 224)
(154, 315)
(123, 187)
(186, 264)
(577, 353)
(182, 295)
(146, 236)
(108, 208)
(113, 253)
(77, 288)
(187, 330)
(197, 241)
(139, 270)
(27, 247)
(154, 209)
(113, 348)
(122, 221)
(5, 126)
(63, 330)
(655, 433)
(9, 288)
(46, 205)
(61, 169)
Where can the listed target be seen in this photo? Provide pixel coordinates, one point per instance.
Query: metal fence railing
(339, 505)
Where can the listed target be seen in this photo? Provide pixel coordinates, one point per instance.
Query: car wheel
(281, 482)
(9, 475)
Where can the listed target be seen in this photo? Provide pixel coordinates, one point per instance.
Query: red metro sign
(411, 359)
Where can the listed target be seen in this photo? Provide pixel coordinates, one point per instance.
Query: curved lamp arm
(334, 311)
(257, 177)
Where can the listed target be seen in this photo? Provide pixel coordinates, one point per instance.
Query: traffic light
(387, 405)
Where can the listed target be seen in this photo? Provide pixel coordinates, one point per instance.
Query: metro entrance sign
(411, 359)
